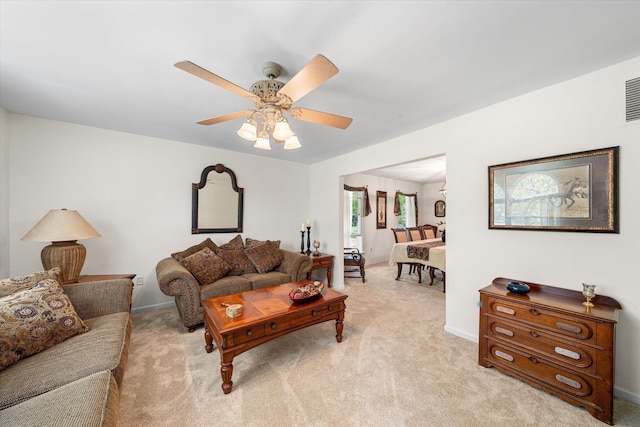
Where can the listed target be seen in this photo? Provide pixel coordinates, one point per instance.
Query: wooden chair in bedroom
(429, 231)
(415, 233)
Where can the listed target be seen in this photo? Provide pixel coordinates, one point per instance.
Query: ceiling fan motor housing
(267, 90)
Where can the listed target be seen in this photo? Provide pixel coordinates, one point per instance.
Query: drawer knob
(274, 326)
(314, 313)
(249, 333)
(533, 359)
(330, 308)
(534, 312)
(534, 334)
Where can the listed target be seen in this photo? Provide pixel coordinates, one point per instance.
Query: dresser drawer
(540, 370)
(573, 355)
(568, 326)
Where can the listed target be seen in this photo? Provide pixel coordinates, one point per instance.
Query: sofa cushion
(265, 257)
(235, 243)
(35, 319)
(265, 280)
(20, 283)
(226, 286)
(206, 266)
(238, 260)
(250, 243)
(208, 243)
(87, 402)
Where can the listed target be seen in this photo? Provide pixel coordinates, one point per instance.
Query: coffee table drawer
(245, 335)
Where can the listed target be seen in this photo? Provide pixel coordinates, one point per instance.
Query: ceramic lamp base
(69, 256)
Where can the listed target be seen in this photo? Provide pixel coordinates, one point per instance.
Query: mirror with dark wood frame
(217, 202)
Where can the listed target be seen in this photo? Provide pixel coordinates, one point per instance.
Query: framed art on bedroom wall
(381, 209)
(570, 192)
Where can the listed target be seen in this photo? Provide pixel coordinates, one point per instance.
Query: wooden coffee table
(267, 314)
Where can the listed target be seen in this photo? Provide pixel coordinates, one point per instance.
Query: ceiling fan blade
(198, 71)
(226, 117)
(319, 117)
(316, 72)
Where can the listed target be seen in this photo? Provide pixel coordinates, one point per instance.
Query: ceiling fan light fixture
(248, 130)
(282, 131)
(292, 143)
(262, 142)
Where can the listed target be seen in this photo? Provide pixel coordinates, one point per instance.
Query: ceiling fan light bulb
(292, 143)
(248, 130)
(282, 131)
(262, 142)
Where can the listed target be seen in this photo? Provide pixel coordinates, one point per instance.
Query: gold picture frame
(570, 192)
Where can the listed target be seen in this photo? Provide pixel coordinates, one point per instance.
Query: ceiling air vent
(633, 99)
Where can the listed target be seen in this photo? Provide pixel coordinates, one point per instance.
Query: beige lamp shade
(62, 227)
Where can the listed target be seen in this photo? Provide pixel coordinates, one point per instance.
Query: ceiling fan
(272, 99)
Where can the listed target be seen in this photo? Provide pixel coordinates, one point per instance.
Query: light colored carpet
(393, 368)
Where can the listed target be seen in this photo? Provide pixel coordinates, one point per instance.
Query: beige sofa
(76, 382)
(176, 280)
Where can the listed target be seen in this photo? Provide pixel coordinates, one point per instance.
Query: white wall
(4, 193)
(377, 243)
(580, 114)
(136, 191)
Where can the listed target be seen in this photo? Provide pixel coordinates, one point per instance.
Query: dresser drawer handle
(274, 326)
(249, 333)
(330, 308)
(503, 355)
(568, 327)
(568, 381)
(534, 312)
(505, 310)
(568, 353)
(504, 331)
(314, 313)
(534, 334)
(533, 359)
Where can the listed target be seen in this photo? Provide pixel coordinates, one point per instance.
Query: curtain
(367, 206)
(412, 201)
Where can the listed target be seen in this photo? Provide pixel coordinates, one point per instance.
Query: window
(407, 216)
(354, 214)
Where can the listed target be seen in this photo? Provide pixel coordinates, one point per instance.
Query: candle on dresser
(302, 227)
(308, 222)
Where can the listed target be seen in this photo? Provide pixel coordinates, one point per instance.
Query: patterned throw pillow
(238, 260)
(235, 243)
(253, 242)
(16, 284)
(35, 319)
(206, 266)
(208, 243)
(265, 257)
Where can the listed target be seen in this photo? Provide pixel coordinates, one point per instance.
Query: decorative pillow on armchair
(35, 319)
(20, 283)
(208, 243)
(206, 266)
(265, 257)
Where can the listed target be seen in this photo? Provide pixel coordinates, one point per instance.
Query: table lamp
(62, 228)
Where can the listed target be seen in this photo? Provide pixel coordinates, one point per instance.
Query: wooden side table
(87, 278)
(319, 262)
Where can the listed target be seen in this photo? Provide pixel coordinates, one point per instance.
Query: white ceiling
(404, 65)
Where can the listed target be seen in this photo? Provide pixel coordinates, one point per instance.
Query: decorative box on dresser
(549, 340)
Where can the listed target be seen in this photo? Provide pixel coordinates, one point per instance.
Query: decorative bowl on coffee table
(306, 292)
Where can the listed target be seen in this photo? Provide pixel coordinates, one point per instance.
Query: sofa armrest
(175, 280)
(295, 265)
(94, 299)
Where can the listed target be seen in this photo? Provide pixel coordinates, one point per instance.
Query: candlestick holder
(316, 244)
(589, 291)
(308, 240)
(302, 242)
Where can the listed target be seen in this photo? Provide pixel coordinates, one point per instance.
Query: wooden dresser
(548, 339)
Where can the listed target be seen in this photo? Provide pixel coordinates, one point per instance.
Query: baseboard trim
(461, 334)
(152, 307)
(626, 395)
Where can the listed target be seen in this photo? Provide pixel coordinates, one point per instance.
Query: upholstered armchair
(176, 280)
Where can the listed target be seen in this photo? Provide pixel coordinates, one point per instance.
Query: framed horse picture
(571, 192)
